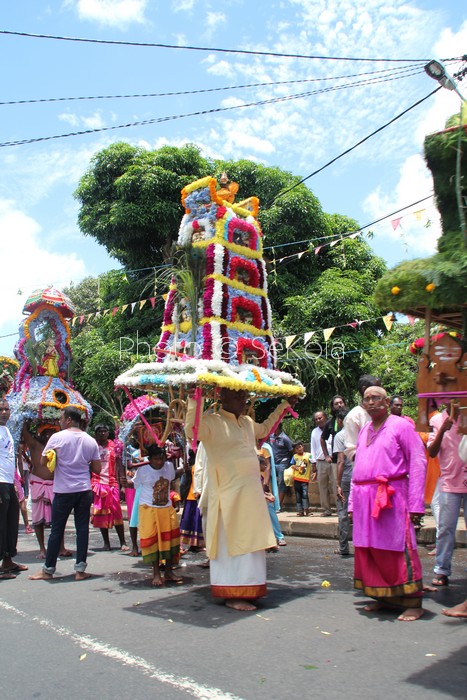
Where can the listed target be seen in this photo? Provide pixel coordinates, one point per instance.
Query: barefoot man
(386, 500)
(9, 506)
(238, 528)
(41, 484)
(76, 454)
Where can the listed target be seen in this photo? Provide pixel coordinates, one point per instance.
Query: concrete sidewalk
(326, 528)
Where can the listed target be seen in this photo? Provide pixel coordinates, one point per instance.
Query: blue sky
(41, 243)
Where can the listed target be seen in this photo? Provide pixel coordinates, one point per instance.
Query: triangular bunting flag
(105, 312)
(308, 336)
(289, 340)
(388, 321)
(411, 320)
(395, 222)
(333, 243)
(354, 324)
(114, 310)
(124, 307)
(73, 321)
(133, 306)
(81, 319)
(142, 303)
(317, 249)
(302, 253)
(153, 301)
(327, 332)
(98, 313)
(418, 214)
(89, 316)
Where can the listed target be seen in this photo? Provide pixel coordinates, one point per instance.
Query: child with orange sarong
(158, 522)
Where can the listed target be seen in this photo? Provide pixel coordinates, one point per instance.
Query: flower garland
(237, 264)
(244, 211)
(249, 306)
(242, 328)
(254, 345)
(208, 187)
(196, 372)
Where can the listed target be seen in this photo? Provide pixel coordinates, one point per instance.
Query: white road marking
(196, 690)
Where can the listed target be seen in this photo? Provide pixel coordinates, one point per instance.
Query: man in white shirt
(357, 417)
(319, 466)
(9, 506)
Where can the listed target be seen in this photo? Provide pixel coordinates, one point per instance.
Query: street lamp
(437, 71)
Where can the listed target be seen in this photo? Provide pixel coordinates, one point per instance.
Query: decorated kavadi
(41, 387)
(216, 328)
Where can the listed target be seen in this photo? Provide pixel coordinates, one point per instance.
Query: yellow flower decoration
(430, 287)
(325, 584)
(395, 291)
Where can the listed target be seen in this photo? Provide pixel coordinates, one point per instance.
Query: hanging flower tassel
(290, 410)
(198, 397)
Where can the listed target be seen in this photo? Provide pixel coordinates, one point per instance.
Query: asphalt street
(113, 636)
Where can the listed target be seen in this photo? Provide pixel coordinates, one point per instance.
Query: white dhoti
(242, 576)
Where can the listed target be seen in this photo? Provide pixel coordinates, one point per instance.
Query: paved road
(114, 637)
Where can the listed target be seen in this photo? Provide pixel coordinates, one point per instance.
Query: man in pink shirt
(77, 455)
(444, 442)
(386, 500)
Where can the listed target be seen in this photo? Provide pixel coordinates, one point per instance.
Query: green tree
(390, 359)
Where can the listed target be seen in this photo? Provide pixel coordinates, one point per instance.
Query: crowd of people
(369, 463)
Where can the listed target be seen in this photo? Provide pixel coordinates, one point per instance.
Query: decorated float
(42, 387)
(217, 326)
(435, 288)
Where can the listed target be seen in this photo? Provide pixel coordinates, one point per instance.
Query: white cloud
(213, 19)
(114, 13)
(29, 265)
(183, 5)
(30, 176)
(221, 68)
(69, 118)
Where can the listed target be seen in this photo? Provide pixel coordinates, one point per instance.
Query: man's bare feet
(170, 576)
(41, 555)
(134, 553)
(429, 589)
(82, 576)
(411, 614)
(124, 547)
(13, 567)
(65, 553)
(4, 576)
(457, 611)
(40, 576)
(157, 582)
(239, 604)
(373, 607)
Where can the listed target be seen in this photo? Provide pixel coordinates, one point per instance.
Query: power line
(211, 49)
(158, 120)
(395, 73)
(359, 143)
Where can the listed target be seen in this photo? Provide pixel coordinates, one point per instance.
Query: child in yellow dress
(158, 522)
(301, 465)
